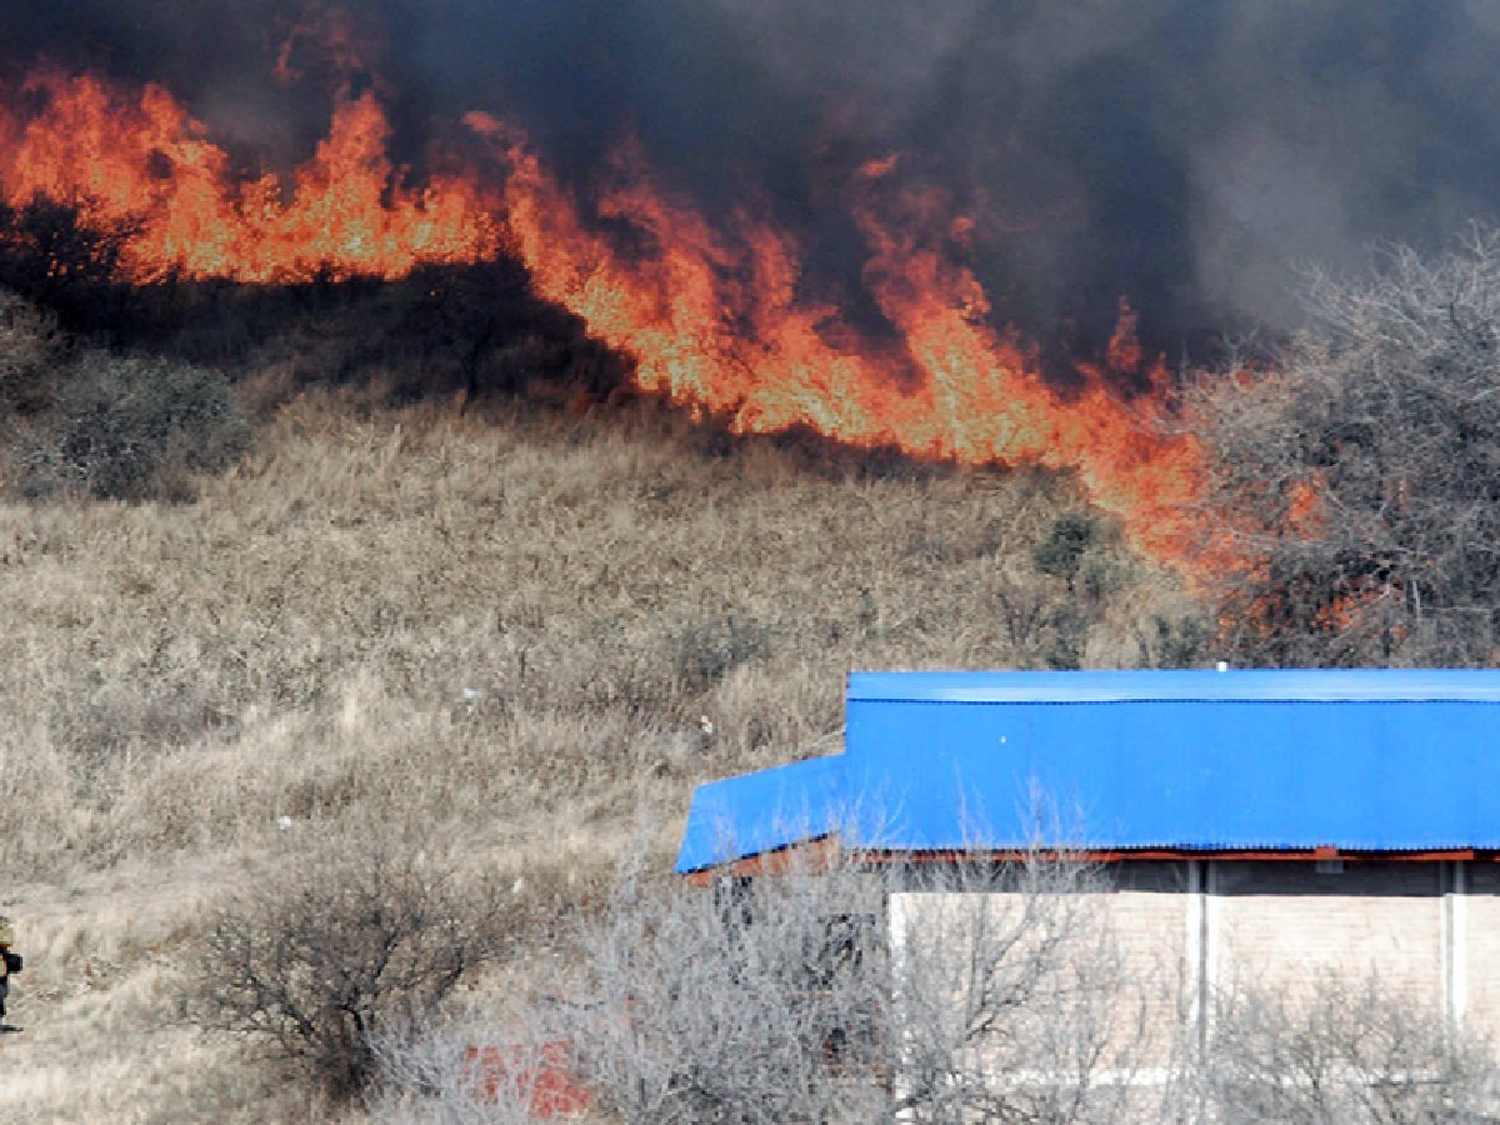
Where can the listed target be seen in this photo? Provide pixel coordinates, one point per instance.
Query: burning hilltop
(136, 159)
(714, 319)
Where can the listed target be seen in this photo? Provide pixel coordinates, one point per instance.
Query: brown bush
(1356, 471)
(341, 945)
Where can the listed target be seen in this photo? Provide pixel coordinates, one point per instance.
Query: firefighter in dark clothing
(9, 962)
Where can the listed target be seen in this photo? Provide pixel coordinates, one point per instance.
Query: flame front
(715, 322)
(715, 319)
(138, 160)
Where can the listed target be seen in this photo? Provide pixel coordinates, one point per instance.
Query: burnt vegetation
(474, 329)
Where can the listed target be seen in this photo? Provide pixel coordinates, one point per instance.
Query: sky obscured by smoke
(1191, 155)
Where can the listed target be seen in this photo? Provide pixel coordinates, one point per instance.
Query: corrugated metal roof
(762, 811)
(1331, 685)
(1202, 761)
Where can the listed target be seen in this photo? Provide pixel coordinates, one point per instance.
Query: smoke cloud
(1190, 155)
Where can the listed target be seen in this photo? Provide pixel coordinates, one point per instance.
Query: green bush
(1062, 553)
(132, 428)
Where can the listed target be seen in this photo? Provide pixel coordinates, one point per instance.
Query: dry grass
(507, 626)
(101, 1003)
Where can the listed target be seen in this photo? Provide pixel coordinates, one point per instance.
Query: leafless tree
(861, 990)
(1355, 471)
(1344, 1050)
(342, 945)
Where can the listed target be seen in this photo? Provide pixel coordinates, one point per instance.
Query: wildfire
(138, 160)
(716, 319)
(716, 322)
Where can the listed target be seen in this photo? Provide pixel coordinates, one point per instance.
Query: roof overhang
(1130, 763)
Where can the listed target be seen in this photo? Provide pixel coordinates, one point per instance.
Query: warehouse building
(1266, 825)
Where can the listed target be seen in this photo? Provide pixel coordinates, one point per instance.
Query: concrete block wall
(1282, 924)
(1134, 936)
(1430, 930)
(1476, 924)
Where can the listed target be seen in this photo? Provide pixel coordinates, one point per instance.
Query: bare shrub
(475, 1072)
(339, 946)
(1010, 998)
(719, 1005)
(1343, 1051)
(1356, 471)
(782, 999)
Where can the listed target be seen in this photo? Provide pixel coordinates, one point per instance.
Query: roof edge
(761, 812)
(1367, 685)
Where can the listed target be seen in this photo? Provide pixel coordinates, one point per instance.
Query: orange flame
(716, 320)
(140, 159)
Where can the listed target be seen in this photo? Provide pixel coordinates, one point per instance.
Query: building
(1274, 825)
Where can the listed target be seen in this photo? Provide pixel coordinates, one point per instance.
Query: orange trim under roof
(820, 855)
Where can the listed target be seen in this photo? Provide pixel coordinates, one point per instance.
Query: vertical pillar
(899, 909)
(1455, 943)
(1212, 942)
(1194, 969)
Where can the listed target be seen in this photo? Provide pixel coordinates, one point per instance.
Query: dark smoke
(1191, 155)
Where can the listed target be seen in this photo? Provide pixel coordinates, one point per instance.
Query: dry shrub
(342, 944)
(1355, 471)
(1344, 1050)
(802, 998)
(132, 428)
(30, 343)
(939, 994)
(476, 1070)
(102, 425)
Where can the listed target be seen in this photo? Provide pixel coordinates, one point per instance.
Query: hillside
(513, 634)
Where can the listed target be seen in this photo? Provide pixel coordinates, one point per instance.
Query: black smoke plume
(1190, 155)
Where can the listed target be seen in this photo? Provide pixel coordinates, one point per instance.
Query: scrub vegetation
(362, 636)
(504, 631)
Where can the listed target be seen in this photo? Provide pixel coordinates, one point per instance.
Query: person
(10, 962)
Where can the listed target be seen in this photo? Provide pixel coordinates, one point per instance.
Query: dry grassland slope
(493, 633)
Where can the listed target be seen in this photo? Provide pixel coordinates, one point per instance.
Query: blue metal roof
(762, 811)
(1320, 685)
(1198, 761)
